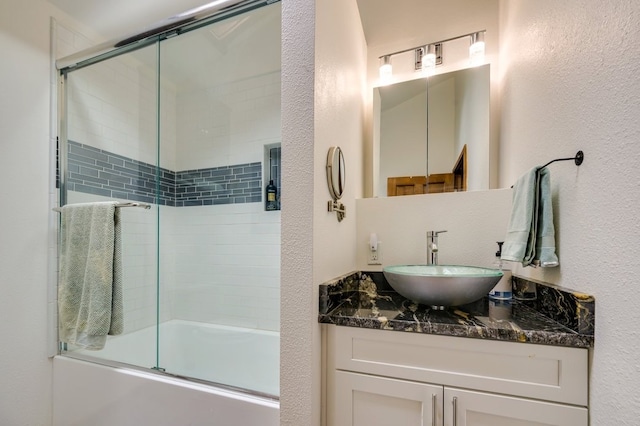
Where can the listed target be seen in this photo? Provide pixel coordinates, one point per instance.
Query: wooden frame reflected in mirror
(434, 183)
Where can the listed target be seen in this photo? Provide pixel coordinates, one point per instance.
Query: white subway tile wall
(113, 106)
(229, 123)
(227, 265)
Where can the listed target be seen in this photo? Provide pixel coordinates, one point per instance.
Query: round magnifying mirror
(335, 172)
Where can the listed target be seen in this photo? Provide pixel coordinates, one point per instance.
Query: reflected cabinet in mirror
(432, 135)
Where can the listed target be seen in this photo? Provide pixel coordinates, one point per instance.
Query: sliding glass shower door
(220, 247)
(111, 153)
(189, 125)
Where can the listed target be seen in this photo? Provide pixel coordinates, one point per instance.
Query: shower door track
(162, 373)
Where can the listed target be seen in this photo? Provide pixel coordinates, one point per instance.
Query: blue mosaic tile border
(99, 172)
(241, 183)
(96, 171)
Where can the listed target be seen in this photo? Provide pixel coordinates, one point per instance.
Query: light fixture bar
(426, 52)
(435, 42)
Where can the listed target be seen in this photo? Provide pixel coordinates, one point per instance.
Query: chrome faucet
(432, 247)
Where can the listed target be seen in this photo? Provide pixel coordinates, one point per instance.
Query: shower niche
(272, 172)
(189, 123)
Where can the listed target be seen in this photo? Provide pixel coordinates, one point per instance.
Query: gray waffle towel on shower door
(90, 277)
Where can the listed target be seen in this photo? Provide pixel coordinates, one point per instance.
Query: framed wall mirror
(433, 134)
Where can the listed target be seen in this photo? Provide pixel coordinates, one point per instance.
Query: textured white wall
(570, 82)
(322, 107)
(339, 85)
(25, 394)
(299, 331)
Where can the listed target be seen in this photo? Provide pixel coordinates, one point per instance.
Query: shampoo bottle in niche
(271, 197)
(502, 290)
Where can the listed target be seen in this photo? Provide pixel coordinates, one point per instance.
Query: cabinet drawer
(551, 373)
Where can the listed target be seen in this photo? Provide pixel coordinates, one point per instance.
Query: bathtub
(87, 391)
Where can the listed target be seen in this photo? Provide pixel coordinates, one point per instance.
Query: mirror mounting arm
(339, 208)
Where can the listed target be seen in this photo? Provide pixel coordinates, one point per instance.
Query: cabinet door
(469, 408)
(363, 400)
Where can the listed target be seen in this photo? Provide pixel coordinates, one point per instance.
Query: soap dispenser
(502, 290)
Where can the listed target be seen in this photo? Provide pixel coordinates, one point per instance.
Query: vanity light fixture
(428, 56)
(476, 49)
(386, 70)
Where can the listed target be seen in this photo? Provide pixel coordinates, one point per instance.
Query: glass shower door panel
(112, 154)
(219, 246)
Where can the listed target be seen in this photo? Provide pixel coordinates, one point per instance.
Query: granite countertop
(556, 317)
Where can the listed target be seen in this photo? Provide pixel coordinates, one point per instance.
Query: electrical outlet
(375, 256)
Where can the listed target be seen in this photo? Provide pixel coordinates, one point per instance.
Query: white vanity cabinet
(384, 378)
(362, 399)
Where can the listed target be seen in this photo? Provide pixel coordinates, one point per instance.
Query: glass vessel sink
(442, 285)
